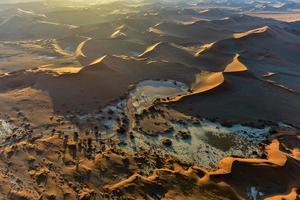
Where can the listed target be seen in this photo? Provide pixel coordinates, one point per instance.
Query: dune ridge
(271, 31)
(203, 48)
(118, 34)
(79, 52)
(98, 60)
(59, 50)
(150, 48)
(291, 196)
(275, 158)
(207, 81)
(60, 70)
(254, 31)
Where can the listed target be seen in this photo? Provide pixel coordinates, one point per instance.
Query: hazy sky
(17, 1)
(98, 1)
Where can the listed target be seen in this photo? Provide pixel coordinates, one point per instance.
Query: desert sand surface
(291, 16)
(149, 99)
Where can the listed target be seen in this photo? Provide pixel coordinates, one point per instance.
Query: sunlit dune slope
(207, 81)
(235, 65)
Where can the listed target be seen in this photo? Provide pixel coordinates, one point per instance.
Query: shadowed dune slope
(100, 83)
(243, 98)
(171, 53)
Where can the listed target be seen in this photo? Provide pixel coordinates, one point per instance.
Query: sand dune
(98, 48)
(290, 16)
(147, 100)
(170, 180)
(163, 51)
(20, 27)
(191, 32)
(261, 44)
(118, 34)
(150, 49)
(67, 45)
(207, 81)
(275, 156)
(58, 49)
(292, 195)
(203, 48)
(208, 31)
(269, 31)
(111, 72)
(59, 70)
(246, 89)
(236, 65)
(259, 30)
(98, 60)
(78, 51)
(215, 13)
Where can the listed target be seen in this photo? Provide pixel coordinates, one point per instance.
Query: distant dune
(169, 53)
(20, 28)
(290, 16)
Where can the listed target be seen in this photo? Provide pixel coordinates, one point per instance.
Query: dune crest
(118, 34)
(60, 70)
(98, 60)
(296, 153)
(204, 177)
(57, 48)
(203, 48)
(156, 31)
(275, 156)
(178, 171)
(79, 52)
(236, 65)
(150, 48)
(254, 31)
(291, 196)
